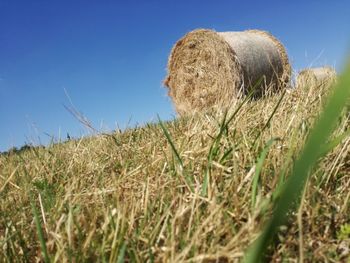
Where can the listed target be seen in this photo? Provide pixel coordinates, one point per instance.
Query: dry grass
(196, 191)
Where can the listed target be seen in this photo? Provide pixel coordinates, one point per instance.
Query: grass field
(195, 189)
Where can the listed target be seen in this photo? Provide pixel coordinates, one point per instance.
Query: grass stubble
(202, 188)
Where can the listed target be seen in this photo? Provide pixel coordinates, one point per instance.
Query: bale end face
(202, 70)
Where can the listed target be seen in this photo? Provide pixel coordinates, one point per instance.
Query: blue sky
(110, 56)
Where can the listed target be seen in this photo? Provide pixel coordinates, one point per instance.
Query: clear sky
(110, 56)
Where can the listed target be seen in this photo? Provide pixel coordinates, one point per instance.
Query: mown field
(196, 189)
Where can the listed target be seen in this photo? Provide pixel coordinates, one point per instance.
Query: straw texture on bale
(208, 68)
(315, 76)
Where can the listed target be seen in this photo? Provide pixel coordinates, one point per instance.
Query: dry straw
(315, 76)
(208, 68)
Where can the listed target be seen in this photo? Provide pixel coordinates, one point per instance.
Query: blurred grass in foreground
(314, 149)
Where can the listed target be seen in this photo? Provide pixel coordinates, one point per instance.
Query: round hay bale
(208, 68)
(315, 76)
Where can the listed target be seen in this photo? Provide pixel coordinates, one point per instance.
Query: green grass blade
(270, 118)
(167, 135)
(36, 216)
(246, 99)
(187, 179)
(39, 230)
(308, 158)
(212, 153)
(216, 143)
(258, 168)
(121, 254)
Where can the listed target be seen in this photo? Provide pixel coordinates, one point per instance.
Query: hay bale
(316, 76)
(208, 68)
